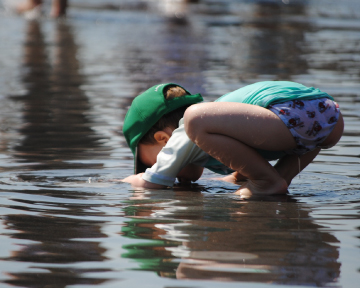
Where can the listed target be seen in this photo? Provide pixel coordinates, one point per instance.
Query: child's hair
(168, 120)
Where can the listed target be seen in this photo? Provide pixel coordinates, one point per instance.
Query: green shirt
(267, 93)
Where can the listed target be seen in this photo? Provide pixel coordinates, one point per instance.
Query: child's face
(149, 152)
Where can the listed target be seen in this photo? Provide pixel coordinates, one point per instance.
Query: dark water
(65, 87)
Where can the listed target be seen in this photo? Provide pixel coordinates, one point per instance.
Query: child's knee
(193, 121)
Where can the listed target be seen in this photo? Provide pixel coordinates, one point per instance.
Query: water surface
(65, 87)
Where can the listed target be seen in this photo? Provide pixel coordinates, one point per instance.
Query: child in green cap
(173, 135)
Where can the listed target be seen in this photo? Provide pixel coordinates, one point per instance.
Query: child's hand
(137, 181)
(133, 179)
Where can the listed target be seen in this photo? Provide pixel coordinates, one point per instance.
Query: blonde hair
(174, 91)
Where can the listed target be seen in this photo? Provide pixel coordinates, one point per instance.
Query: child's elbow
(192, 120)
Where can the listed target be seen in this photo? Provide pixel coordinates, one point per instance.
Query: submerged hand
(132, 178)
(137, 181)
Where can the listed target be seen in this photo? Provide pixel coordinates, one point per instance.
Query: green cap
(145, 110)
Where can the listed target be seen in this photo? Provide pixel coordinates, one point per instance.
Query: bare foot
(262, 188)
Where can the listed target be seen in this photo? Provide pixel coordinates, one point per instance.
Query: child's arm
(137, 181)
(188, 174)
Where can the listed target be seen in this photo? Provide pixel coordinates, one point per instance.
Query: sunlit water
(65, 87)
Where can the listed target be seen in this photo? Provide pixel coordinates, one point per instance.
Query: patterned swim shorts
(309, 121)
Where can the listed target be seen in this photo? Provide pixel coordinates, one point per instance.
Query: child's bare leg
(230, 132)
(291, 165)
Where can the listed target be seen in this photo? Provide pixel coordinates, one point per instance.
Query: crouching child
(174, 134)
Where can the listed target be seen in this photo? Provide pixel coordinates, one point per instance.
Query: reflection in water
(183, 59)
(281, 37)
(56, 126)
(51, 241)
(177, 55)
(261, 40)
(191, 238)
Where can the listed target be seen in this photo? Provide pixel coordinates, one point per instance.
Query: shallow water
(65, 87)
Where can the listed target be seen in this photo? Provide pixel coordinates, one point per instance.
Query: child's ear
(161, 137)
